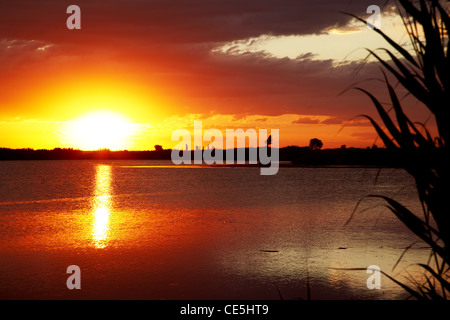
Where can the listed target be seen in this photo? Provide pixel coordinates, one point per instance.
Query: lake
(152, 230)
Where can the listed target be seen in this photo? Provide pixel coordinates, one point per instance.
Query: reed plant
(422, 69)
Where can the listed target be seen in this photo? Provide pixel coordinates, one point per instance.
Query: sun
(101, 130)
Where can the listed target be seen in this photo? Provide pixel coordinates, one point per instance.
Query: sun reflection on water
(102, 206)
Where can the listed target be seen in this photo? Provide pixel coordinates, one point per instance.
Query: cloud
(353, 122)
(306, 120)
(332, 120)
(169, 47)
(180, 21)
(15, 51)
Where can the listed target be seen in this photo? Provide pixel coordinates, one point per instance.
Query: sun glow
(101, 130)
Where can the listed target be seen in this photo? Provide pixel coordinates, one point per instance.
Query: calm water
(139, 230)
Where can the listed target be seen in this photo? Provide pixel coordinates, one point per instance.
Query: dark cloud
(333, 120)
(169, 43)
(353, 122)
(180, 21)
(306, 120)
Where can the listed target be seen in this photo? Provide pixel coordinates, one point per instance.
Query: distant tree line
(296, 155)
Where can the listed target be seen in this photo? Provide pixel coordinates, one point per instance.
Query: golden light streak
(102, 206)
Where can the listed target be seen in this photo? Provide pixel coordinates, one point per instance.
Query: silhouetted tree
(158, 148)
(315, 144)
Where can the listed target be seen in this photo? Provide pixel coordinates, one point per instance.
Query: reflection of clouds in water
(102, 205)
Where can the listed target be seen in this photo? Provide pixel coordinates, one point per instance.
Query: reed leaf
(403, 253)
(386, 140)
(384, 116)
(409, 82)
(425, 75)
(415, 224)
(397, 47)
(410, 290)
(405, 137)
(445, 284)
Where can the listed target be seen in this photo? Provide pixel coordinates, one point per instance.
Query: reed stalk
(424, 72)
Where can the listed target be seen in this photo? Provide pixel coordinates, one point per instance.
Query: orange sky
(156, 66)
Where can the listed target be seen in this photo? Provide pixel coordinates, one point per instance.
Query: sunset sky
(137, 70)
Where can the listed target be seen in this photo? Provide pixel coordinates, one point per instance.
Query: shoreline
(282, 164)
